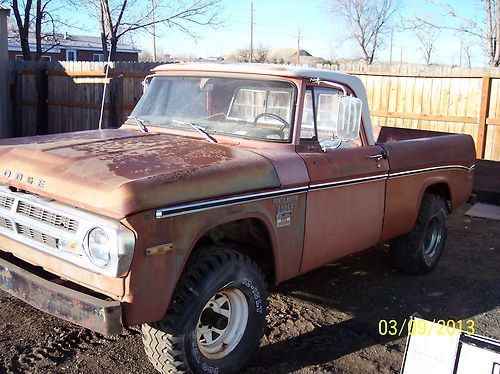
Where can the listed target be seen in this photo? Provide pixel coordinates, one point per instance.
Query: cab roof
(264, 69)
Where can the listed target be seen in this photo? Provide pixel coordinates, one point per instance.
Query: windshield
(252, 108)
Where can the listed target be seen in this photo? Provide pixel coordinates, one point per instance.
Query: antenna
(251, 31)
(298, 48)
(153, 7)
(104, 91)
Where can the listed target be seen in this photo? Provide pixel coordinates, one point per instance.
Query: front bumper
(62, 302)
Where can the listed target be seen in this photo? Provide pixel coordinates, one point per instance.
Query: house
(289, 56)
(66, 47)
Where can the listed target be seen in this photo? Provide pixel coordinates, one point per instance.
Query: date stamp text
(394, 327)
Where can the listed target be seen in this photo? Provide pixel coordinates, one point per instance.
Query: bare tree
(467, 46)
(367, 21)
(145, 55)
(485, 29)
(40, 18)
(241, 55)
(23, 21)
(260, 55)
(426, 36)
(118, 18)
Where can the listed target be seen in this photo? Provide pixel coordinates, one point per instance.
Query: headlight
(98, 247)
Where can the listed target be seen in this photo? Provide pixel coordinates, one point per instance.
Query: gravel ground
(324, 321)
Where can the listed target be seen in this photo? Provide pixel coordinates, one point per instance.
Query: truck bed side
(442, 163)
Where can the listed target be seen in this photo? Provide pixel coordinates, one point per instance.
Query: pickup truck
(224, 181)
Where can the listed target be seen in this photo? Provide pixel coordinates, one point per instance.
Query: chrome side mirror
(145, 82)
(349, 118)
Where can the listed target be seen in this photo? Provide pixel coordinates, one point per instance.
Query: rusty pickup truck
(225, 180)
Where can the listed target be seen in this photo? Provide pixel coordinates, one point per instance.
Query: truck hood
(118, 172)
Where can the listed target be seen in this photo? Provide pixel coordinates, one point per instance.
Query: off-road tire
(418, 252)
(173, 344)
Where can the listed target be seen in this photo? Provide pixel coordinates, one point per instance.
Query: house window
(71, 55)
(98, 57)
(43, 58)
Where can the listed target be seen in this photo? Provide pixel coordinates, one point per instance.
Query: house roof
(5, 7)
(66, 41)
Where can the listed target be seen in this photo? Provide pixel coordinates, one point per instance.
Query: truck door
(345, 202)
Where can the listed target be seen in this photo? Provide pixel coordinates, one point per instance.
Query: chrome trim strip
(233, 200)
(211, 204)
(205, 205)
(372, 178)
(426, 170)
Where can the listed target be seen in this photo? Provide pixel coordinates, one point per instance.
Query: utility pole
(251, 31)
(390, 57)
(401, 60)
(460, 57)
(153, 6)
(298, 48)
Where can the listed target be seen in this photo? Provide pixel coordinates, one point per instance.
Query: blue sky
(276, 24)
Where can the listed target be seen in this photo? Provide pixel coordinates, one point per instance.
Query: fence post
(4, 62)
(116, 100)
(42, 110)
(17, 102)
(483, 116)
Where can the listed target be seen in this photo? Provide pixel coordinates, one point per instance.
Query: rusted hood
(117, 172)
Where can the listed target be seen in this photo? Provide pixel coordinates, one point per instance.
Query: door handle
(378, 157)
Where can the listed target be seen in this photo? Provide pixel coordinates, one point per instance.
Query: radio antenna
(104, 91)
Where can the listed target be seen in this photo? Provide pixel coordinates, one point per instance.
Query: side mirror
(145, 83)
(349, 118)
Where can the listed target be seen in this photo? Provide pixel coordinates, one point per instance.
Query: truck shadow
(324, 316)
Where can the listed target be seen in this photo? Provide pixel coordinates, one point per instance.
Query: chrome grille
(6, 202)
(45, 216)
(37, 235)
(5, 223)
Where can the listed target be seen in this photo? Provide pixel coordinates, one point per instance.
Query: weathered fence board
(461, 104)
(443, 99)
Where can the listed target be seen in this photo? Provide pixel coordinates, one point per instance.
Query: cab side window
(320, 114)
(307, 129)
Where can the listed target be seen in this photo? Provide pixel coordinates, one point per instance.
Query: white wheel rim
(222, 323)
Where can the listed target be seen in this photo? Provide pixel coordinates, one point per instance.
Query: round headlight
(98, 247)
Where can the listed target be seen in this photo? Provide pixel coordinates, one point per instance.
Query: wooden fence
(70, 94)
(52, 97)
(468, 104)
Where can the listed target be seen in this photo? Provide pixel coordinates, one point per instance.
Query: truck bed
(419, 159)
(385, 134)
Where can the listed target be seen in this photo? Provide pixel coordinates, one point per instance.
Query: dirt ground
(325, 321)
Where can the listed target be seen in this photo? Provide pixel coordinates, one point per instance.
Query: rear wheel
(216, 316)
(419, 251)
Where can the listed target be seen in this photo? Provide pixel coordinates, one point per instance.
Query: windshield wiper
(198, 128)
(140, 123)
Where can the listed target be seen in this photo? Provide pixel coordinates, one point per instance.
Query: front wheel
(216, 316)
(418, 251)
